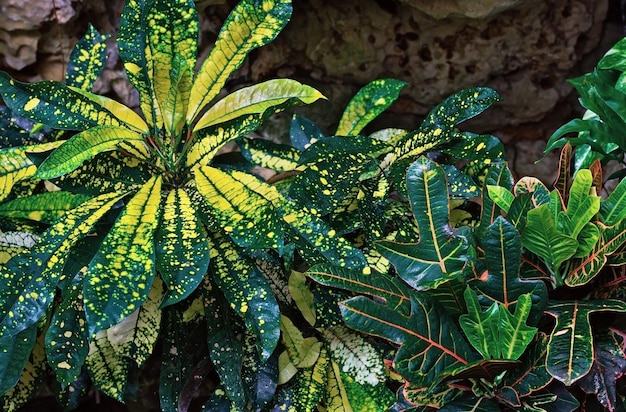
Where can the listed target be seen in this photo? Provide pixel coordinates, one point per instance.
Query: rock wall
(525, 49)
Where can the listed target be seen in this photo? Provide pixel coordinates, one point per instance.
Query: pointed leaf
(542, 238)
(120, 276)
(613, 208)
(582, 205)
(373, 99)
(481, 327)
(249, 25)
(501, 282)
(15, 165)
(247, 292)
(303, 352)
(67, 339)
(393, 291)
(257, 99)
(64, 107)
(45, 207)
(302, 296)
(84, 146)
(87, 60)
(429, 340)
(440, 254)
(532, 375)
(303, 132)
(501, 197)
(571, 349)
(182, 247)
(265, 153)
(25, 298)
(310, 384)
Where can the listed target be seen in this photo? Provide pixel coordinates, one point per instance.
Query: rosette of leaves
(137, 216)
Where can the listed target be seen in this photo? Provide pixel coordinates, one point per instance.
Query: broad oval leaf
(251, 24)
(87, 59)
(121, 273)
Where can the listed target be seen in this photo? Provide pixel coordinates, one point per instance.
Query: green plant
(141, 228)
(599, 134)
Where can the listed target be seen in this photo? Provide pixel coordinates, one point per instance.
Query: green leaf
(393, 291)
(87, 59)
(543, 239)
(531, 375)
(310, 385)
(67, 339)
(247, 292)
(373, 99)
(571, 348)
(172, 44)
(108, 369)
(31, 278)
(182, 247)
(358, 371)
(440, 254)
(428, 338)
(251, 24)
(223, 337)
(15, 165)
(120, 275)
(501, 282)
(14, 354)
(84, 146)
(257, 99)
(497, 175)
(45, 207)
(247, 216)
(481, 327)
(582, 205)
(613, 208)
(302, 296)
(501, 196)
(31, 378)
(65, 107)
(136, 335)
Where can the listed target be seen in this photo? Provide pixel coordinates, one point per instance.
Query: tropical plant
(599, 133)
(120, 228)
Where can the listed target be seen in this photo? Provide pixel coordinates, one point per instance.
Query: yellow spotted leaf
(136, 335)
(251, 24)
(303, 352)
(29, 279)
(121, 273)
(15, 165)
(83, 146)
(245, 214)
(182, 247)
(108, 369)
(46, 207)
(87, 59)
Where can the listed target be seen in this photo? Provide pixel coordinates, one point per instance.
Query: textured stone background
(525, 49)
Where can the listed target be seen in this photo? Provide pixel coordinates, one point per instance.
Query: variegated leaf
(30, 279)
(237, 201)
(83, 146)
(67, 340)
(247, 291)
(15, 165)
(120, 275)
(257, 99)
(303, 352)
(108, 369)
(45, 207)
(87, 59)
(182, 247)
(367, 104)
(268, 154)
(65, 107)
(310, 385)
(136, 335)
(251, 24)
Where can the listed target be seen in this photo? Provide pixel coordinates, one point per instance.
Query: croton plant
(372, 271)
